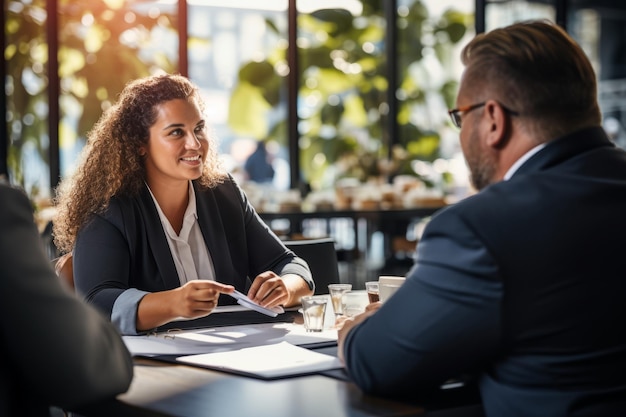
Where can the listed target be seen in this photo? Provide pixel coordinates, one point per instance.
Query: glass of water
(337, 292)
(314, 310)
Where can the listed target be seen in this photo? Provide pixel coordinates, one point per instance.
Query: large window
(342, 94)
(600, 28)
(374, 79)
(26, 86)
(430, 38)
(238, 56)
(103, 45)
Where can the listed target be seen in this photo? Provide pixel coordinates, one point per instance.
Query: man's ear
(498, 131)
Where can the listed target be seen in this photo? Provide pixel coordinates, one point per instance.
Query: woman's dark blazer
(124, 250)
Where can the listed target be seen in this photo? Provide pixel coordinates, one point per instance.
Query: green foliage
(25, 38)
(340, 21)
(261, 75)
(342, 64)
(114, 62)
(247, 109)
(95, 62)
(342, 68)
(256, 73)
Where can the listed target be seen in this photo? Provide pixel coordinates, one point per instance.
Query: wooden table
(177, 390)
(165, 389)
(161, 389)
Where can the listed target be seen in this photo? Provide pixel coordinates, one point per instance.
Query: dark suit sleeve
(101, 264)
(64, 351)
(443, 322)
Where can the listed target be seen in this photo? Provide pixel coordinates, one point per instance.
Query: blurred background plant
(343, 98)
(103, 45)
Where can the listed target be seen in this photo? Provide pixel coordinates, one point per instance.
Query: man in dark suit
(524, 283)
(55, 350)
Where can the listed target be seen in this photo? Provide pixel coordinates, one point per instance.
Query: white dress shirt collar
(189, 251)
(521, 161)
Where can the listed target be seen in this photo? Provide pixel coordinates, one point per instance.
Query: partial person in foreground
(56, 350)
(157, 229)
(524, 283)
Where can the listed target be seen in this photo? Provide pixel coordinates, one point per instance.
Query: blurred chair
(321, 256)
(48, 241)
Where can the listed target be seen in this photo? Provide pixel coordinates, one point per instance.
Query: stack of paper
(219, 339)
(269, 361)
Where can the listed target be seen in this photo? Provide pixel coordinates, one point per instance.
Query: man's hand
(345, 324)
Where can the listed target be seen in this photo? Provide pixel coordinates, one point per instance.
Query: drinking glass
(337, 292)
(372, 291)
(313, 311)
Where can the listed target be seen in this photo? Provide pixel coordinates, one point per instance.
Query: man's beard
(482, 170)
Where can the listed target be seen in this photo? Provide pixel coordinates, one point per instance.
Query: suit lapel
(212, 227)
(158, 241)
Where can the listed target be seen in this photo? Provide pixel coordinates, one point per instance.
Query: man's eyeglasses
(455, 114)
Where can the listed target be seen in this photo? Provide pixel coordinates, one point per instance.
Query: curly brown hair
(110, 164)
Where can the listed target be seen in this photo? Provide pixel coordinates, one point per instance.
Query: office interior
(331, 114)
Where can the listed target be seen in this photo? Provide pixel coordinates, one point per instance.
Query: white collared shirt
(190, 253)
(521, 161)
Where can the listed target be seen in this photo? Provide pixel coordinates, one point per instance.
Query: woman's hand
(269, 290)
(198, 298)
(193, 300)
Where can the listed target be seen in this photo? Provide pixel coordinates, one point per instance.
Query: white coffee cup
(387, 285)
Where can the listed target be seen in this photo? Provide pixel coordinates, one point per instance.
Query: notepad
(268, 362)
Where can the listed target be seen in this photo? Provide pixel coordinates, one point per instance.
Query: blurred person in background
(258, 166)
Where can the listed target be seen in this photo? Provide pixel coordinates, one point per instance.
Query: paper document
(270, 361)
(243, 300)
(225, 338)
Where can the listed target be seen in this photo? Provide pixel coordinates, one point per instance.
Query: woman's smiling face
(178, 143)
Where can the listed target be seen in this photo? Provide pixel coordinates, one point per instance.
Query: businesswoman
(157, 229)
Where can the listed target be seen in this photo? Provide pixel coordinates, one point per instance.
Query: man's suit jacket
(523, 284)
(54, 349)
(123, 253)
